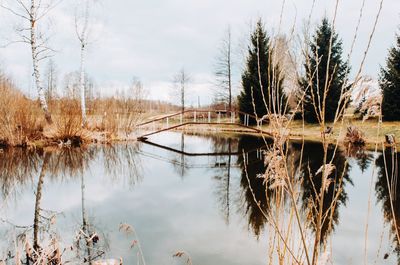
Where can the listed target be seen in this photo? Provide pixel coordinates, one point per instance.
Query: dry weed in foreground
(298, 236)
(185, 255)
(130, 231)
(354, 137)
(108, 262)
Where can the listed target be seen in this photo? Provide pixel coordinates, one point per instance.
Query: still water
(185, 193)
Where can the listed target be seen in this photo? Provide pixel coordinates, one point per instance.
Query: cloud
(154, 39)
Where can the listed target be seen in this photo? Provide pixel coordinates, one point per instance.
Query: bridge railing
(202, 116)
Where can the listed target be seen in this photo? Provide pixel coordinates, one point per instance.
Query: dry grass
(69, 122)
(22, 124)
(312, 132)
(19, 122)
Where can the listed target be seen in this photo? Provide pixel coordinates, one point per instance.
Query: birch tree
(181, 81)
(82, 32)
(223, 71)
(32, 13)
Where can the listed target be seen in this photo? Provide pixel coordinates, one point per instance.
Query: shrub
(18, 116)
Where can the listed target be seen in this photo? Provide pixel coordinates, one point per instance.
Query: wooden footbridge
(200, 117)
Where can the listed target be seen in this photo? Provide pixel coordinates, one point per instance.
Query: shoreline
(310, 133)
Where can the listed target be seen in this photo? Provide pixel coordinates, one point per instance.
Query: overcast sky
(153, 39)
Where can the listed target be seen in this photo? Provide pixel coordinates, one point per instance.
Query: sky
(153, 39)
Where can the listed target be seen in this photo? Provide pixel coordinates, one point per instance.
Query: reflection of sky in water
(171, 213)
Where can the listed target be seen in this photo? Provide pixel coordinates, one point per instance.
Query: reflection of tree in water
(88, 235)
(313, 159)
(180, 164)
(17, 167)
(387, 190)
(119, 161)
(364, 161)
(71, 162)
(363, 157)
(262, 194)
(223, 171)
(260, 188)
(74, 163)
(38, 239)
(38, 216)
(123, 161)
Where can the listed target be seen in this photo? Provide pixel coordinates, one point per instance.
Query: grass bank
(312, 132)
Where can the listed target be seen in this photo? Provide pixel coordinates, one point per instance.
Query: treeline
(319, 90)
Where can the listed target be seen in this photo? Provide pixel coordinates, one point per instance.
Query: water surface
(187, 192)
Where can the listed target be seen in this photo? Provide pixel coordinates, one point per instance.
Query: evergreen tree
(316, 75)
(390, 85)
(260, 96)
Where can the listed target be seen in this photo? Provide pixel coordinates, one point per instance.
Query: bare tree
(223, 70)
(181, 81)
(284, 55)
(71, 86)
(132, 106)
(51, 80)
(32, 13)
(82, 32)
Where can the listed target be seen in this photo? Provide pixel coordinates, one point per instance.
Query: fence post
(219, 117)
(194, 117)
(209, 117)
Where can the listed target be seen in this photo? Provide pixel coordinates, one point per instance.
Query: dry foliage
(67, 127)
(19, 123)
(354, 137)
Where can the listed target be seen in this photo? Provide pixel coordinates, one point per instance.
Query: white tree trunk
(83, 39)
(35, 63)
(229, 65)
(82, 85)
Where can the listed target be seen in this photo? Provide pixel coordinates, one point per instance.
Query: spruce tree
(390, 85)
(260, 97)
(316, 77)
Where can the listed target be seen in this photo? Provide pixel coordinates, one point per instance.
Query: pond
(192, 193)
